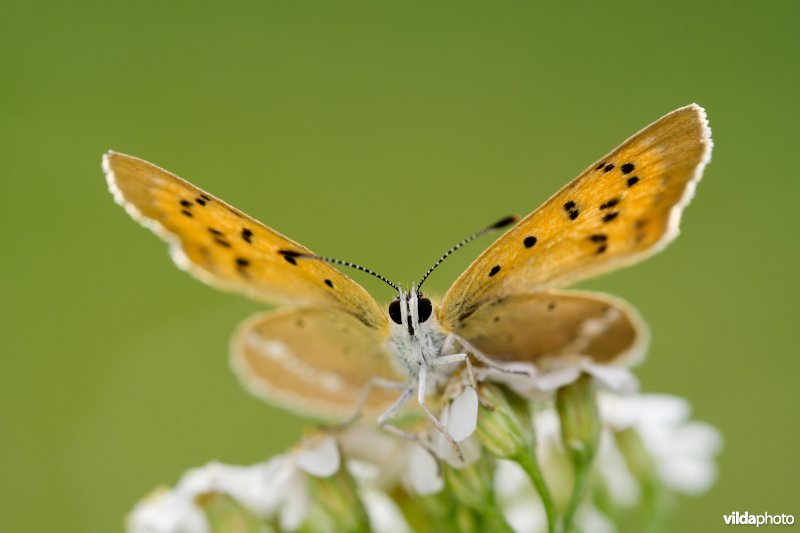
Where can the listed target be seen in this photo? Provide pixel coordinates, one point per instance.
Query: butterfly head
(410, 309)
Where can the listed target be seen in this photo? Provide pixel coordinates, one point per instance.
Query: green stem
(496, 521)
(578, 491)
(528, 463)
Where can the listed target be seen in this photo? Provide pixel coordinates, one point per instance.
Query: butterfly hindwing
(623, 208)
(226, 248)
(552, 324)
(316, 361)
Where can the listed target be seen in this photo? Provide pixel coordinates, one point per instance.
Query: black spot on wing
(633, 180)
(247, 235)
(610, 216)
(609, 167)
(609, 203)
(495, 269)
(601, 249)
(200, 200)
(216, 232)
(598, 237)
(222, 242)
(242, 262)
(572, 209)
(329, 283)
(529, 241)
(186, 203)
(627, 168)
(187, 213)
(601, 165)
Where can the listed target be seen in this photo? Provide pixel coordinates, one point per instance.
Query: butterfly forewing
(621, 209)
(532, 327)
(226, 248)
(315, 361)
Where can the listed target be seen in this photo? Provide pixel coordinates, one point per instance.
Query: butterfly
(333, 347)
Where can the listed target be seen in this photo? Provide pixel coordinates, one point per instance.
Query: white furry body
(413, 351)
(421, 351)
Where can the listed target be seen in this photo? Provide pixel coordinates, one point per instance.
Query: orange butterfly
(334, 343)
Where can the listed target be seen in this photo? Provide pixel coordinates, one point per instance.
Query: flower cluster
(583, 457)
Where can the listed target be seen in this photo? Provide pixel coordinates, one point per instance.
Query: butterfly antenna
(500, 224)
(292, 257)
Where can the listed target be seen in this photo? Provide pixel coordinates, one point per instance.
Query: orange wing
(623, 208)
(227, 249)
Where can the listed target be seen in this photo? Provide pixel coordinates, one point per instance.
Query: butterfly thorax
(416, 336)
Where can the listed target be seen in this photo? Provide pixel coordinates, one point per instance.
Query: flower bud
(499, 428)
(580, 419)
(338, 496)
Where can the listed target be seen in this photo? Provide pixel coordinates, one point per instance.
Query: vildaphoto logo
(764, 519)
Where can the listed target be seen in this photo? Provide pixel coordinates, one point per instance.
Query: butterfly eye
(394, 312)
(424, 308)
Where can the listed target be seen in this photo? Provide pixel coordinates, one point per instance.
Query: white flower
(277, 487)
(683, 451)
(379, 461)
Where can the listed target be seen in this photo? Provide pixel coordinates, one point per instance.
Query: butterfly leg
(421, 392)
(364, 396)
(473, 382)
(450, 341)
(458, 358)
(391, 412)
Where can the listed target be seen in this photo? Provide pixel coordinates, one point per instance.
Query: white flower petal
(276, 474)
(296, 502)
(547, 428)
(590, 519)
(463, 415)
(423, 472)
(556, 378)
(617, 378)
(526, 517)
(683, 452)
(384, 515)
(622, 485)
(688, 466)
(688, 475)
(363, 470)
(319, 457)
(654, 410)
(509, 479)
(167, 512)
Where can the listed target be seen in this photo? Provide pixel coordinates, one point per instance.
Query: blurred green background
(382, 134)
